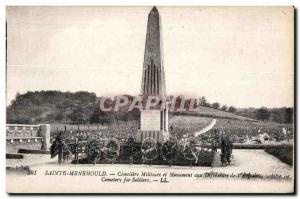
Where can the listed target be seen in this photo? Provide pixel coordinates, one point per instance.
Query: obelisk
(154, 122)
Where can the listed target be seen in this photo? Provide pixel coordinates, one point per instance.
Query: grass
(189, 122)
(207, 112)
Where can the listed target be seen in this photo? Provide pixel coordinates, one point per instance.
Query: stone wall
(22, 131)
(13, 145)
(21, 136)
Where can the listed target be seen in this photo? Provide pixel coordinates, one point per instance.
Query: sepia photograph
(150, 99)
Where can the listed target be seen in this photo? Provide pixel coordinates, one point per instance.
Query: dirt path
(207, 128)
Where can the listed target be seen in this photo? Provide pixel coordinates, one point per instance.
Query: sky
(240, 56)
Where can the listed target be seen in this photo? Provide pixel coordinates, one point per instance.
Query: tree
(124, 116)
(203, 101)
(288, 115)
(135, 114)
(59, 116)
(51, 105)
(77, 116)
(101, 117)
(109, 118)
(231, 109)
(224, 108)
(117, 118)
(216, 105)
(276, 115)
(263, 113)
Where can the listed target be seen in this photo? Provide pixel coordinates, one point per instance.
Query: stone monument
(153, 122)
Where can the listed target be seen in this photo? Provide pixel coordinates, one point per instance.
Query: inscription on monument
(150, 120)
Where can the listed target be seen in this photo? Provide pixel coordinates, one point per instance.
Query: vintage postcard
(150, 100)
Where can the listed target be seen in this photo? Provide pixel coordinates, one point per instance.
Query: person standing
(223, 149)
(229, 150)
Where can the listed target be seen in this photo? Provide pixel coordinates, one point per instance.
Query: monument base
(153, 124)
